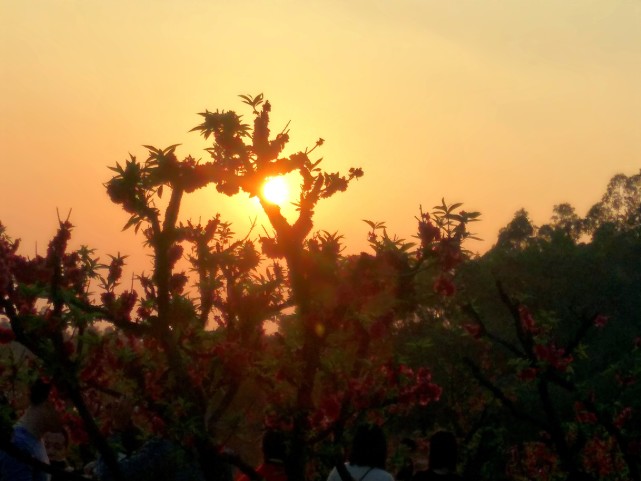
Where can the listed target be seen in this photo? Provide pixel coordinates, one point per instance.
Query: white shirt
(362, 473)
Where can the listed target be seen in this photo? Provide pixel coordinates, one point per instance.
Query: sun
(276, 190)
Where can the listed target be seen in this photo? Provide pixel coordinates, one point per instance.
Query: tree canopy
(529, 353)
(188, 344)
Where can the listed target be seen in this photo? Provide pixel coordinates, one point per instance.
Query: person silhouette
(274, 449)
(39, 418)
(57, 445)
(442, 459)
(367, 457)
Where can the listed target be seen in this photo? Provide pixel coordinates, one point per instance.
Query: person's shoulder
(379, 474)
(333, 475)
(21, 435)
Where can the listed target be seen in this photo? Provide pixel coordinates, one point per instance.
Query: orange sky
(500, 104)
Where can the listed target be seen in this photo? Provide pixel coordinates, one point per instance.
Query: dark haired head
(369, 447)
(274, 445)
(443, 451)
(39, 392)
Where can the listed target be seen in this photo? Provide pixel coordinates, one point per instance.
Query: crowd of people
(368, 456)
(39, 447)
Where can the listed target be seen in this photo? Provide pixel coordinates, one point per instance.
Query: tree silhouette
(189, 347)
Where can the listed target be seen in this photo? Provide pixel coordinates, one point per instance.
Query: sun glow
(276, 190)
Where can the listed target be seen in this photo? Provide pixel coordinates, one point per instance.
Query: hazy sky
(500, 104)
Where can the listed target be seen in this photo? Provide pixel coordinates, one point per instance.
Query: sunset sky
(499, 104)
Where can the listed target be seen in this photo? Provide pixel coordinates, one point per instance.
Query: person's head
(56, 443)
(369, 447)
(443, 451)
(274, 445)
(39, 392)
